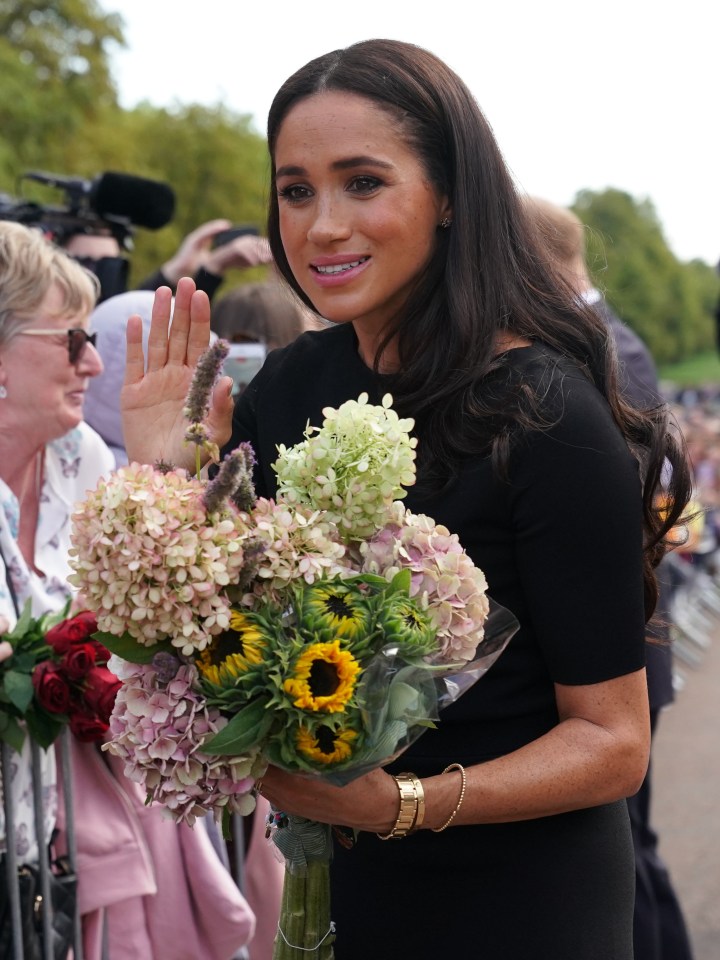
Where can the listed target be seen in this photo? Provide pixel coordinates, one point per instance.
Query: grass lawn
(700, 371)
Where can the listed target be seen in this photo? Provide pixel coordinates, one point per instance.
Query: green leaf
(226, 824)
(43, 727)
(127, 648)
(19, 689)
(21, 627)
(12, 733)
(244, 731)
(23, 661)
(401, 582)
(403, 700)
(49, 620)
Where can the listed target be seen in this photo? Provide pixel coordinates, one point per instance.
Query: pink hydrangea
(149, 561)
(445, 581)
(297, 544)
(158, 727)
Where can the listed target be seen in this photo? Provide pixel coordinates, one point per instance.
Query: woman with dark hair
(393, 217)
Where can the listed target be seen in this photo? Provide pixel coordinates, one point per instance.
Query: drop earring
(3, 391)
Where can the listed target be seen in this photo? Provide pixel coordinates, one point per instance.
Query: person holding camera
(207, 253)
(101, 252)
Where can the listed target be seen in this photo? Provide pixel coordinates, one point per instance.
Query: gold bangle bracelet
(420, 815)
(407, 784)
(454, 766)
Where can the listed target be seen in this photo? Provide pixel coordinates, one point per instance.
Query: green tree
(211, 157)
(56, 80)
(665, 301)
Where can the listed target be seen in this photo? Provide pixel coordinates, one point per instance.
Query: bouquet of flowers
(322, 631)
(57, 676)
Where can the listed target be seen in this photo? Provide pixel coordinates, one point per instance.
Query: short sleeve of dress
(577, 514)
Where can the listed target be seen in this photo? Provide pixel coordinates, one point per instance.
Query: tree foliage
(667, 302)
(56, 78)
(210, 156)
(59, 112)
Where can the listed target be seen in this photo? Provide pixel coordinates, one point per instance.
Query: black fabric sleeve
(209, 282)
(577, 513)
(155, 280)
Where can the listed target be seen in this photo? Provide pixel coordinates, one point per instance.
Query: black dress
(560, 541)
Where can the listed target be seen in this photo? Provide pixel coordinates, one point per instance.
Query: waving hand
(152, 399)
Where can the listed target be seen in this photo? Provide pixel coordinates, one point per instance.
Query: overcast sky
(619, 93)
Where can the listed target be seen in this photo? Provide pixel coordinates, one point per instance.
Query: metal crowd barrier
(11, 863)
(695, 611)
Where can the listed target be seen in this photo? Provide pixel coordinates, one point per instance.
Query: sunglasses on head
(77, 341)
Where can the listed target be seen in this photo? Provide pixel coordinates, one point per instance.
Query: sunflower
(404, 623)
(325, 745)
(233, 652)
(324, 678)
(336, 607)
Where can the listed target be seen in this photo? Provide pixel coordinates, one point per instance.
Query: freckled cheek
(293, 233)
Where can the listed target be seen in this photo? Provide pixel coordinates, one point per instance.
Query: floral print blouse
(73, 465)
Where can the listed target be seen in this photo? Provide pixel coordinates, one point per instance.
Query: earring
(445, 222)
(3, 391)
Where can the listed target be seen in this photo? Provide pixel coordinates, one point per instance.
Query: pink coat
(162, 887)
(263, 885)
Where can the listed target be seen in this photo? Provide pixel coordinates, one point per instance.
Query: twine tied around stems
(295, 946)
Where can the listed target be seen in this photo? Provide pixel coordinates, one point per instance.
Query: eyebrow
(347, 164)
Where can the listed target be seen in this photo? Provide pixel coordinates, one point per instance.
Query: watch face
(242, 363)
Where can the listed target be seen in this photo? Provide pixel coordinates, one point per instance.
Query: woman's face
(45, 392)
(358, 215)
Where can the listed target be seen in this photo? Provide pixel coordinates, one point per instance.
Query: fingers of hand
(206, 231)
(159, 322)
(135, 360)
(198, 334)
(181, 321)
(252, 251)
(221, 412)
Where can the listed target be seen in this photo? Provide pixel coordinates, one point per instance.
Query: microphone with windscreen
(115, 197)
(145, 203)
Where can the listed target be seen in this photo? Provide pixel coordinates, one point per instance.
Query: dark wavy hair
(488, 275)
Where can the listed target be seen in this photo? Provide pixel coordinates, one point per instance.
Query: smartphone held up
(242, 363)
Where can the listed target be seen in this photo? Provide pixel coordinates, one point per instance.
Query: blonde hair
(29, 266)
(562, 231)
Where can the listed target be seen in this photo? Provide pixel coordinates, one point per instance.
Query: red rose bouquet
(57, 676)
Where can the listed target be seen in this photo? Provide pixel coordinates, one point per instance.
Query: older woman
(48, 457)
(163, 892)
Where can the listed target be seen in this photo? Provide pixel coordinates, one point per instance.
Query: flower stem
(305, 915)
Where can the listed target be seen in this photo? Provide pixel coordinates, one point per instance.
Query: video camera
(111, 205)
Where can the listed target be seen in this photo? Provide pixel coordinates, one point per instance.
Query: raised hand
(239, 254)
(193, 251)
(152, 399)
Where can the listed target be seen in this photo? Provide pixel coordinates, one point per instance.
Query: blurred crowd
(697, 412)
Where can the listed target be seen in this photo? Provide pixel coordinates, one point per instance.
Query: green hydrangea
(352, 467)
